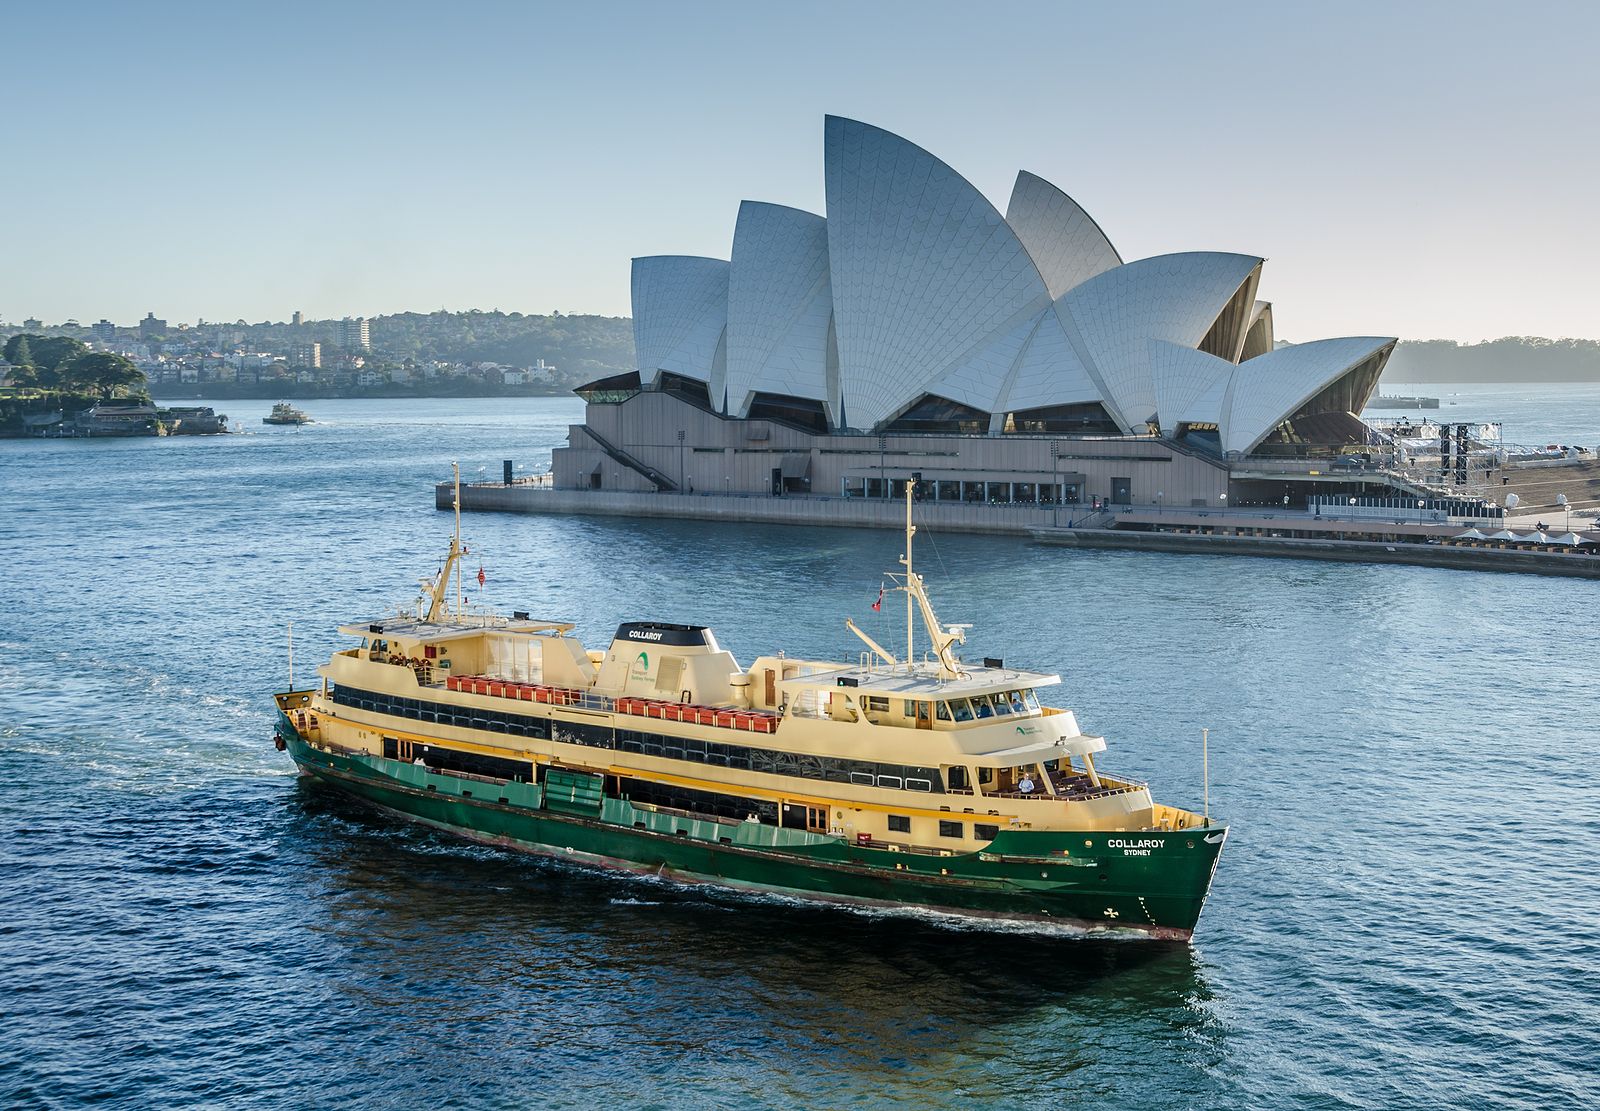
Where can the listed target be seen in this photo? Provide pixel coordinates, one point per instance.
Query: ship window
(1001, 704)
(1031, 699)
(893, 782)
(981, 707)
(942, 711)
(861, 779)
(899, 823)
(985, 832)
(949, 829)
(875, 702)
(961, 709)
(919, 785)
(391, 747)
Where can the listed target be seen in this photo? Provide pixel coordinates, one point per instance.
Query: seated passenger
(961, 708)
(1017, 705)
(983, 707)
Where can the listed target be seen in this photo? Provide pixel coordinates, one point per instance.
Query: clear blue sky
(1422, 170)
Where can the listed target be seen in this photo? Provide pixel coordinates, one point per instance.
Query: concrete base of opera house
(1067, 526)
(1012, 520)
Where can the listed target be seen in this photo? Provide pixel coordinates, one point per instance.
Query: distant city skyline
(1417, 170)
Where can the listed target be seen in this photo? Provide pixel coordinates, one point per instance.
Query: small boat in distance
(1403, 402)
(284, 413)
(910, 782)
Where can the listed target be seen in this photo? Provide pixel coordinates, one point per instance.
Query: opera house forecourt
(1015, 366)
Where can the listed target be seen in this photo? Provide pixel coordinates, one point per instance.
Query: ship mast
(917, 599)
(455, 545)
(910, 601)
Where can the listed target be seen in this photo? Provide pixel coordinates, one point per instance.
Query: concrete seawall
(1035, 522)
(1356, 551)
(825, 512)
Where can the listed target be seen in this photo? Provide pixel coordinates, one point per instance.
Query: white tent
(1470, 534)
(1571, 538)
(1503, 534)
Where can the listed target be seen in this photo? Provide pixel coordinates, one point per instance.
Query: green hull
(1146, 884)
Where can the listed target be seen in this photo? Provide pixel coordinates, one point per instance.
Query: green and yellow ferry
(929, 784)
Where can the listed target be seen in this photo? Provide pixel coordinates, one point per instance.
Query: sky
(1411, 169)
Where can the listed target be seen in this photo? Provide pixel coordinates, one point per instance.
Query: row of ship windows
(861, 773)
(901, 823)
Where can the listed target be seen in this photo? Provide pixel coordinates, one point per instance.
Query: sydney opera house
(914, 328)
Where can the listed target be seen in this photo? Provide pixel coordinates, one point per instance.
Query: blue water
(1407, 915)
(1531, 416)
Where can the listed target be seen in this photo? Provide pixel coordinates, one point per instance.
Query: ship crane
(438, 587)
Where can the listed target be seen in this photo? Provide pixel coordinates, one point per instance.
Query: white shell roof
(1175, 298)
(1068, 247)
(1189, 384)
(914, 284)
(1268, 389)
(680, 306)
(779, 304)
(925, 271)
(1258, 338)
(1049, 372)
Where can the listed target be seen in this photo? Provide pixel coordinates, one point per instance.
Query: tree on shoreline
(100, 372)
(61, 364)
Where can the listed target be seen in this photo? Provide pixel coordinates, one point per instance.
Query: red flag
(878, 605)
(481, 576)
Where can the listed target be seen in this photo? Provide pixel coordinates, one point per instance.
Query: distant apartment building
(355, 334)
(306, 354)
(298, 319)
(32, 324)
(104, 330)
(151, 327)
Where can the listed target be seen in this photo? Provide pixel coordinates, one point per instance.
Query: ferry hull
(1150, 885)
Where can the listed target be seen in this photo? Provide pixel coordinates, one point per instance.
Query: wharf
(1209, 532)
(1566, 563)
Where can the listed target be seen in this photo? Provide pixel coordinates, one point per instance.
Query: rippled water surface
(1408, 913)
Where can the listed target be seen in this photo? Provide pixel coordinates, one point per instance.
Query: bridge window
(949, 829)
(899, 823)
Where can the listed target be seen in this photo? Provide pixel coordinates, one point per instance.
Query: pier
(1288, 534)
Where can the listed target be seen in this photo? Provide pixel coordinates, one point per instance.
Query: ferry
(925, 784)
(284, 413)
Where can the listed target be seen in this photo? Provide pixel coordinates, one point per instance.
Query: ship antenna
(910, 598)
(456, 546)
(1205, 771)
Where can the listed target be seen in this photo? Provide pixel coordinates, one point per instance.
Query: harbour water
(1408, 913)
